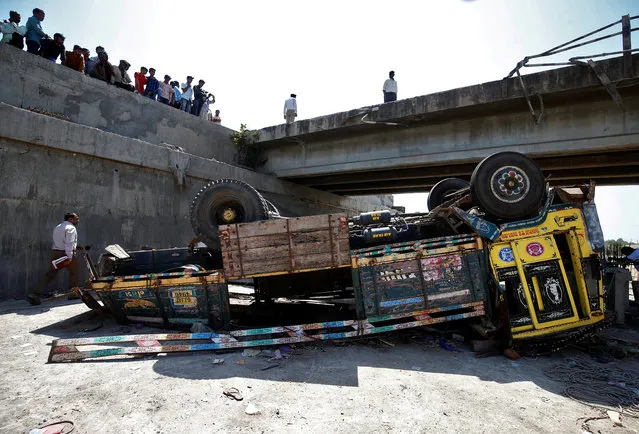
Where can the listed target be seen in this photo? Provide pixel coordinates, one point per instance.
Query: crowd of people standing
(187, 97)
(190, 98)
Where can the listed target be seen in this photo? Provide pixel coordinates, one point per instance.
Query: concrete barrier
(29, 80)
(126, 191)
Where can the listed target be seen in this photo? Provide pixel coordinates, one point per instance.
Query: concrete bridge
(588, 128)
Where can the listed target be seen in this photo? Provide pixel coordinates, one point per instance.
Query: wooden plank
(319, 260)
(263, 241)
(65, 350)
(312, 223)
(277, 265)
(322, 236)
(261, 253)
(261, 228)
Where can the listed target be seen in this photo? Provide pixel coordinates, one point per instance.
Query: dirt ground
(354, 388)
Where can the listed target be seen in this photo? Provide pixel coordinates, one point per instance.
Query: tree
(244, 141)
(612, 248)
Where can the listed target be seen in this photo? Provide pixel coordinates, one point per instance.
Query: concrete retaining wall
(29, 80)
(124, 190)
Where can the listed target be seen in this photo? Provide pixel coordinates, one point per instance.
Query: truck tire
(443, 188)
(221, 202)
(508, 185)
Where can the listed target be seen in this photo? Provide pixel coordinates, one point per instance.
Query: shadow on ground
(324, 362)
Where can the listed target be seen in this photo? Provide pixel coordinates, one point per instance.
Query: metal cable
(567, 46)
(606, 387)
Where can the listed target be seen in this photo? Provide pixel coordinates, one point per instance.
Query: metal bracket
(536, 116)
(609, 85)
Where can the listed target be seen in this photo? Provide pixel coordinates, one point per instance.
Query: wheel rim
(227, 212)
(509, 184)
(228, 215)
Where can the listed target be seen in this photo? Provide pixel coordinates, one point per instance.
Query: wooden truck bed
(282, 246)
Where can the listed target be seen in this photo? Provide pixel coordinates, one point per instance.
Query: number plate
(184, 298)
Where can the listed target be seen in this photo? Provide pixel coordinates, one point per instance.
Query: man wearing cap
(75, 59)
(187, 95)
(121, 76)
(290, 109)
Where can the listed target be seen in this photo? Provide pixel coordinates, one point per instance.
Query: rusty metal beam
(626, 45)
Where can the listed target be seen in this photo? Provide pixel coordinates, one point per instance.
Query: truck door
(538, 291)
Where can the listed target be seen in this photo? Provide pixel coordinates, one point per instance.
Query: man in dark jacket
(52, 48)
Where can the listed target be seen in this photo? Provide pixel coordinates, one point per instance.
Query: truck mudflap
(68, 350)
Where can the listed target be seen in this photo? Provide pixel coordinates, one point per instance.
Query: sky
(335, 55)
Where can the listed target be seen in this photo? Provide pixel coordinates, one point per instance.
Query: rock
(252, 410)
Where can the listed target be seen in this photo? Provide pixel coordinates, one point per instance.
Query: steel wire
(606, 387)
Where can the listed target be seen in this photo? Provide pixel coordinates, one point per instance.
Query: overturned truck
(504, 248)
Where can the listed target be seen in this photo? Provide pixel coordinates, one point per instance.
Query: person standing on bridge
(290, 109)
(35, 34)
(390, 88)
(65, 243)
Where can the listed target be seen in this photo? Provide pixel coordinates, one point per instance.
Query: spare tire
(221, 202)
(508, 185)
(443, 188)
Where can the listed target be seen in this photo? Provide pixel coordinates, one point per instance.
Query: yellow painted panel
(536, 249)
(501, 255)
(556, 221)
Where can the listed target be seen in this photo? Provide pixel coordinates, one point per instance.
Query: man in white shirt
(11, 32)
(65, 242)
(290, 109)
(390, 88)
(187, 95)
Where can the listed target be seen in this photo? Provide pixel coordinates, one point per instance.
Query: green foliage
(613, 247)
(244, 141)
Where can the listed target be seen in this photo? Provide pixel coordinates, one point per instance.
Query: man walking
(35, 34)
(390, 88)
(65, 242)
(290, 109)
(187, 95)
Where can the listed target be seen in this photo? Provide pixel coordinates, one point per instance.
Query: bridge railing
(626, 51)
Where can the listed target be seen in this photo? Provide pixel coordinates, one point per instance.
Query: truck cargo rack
(67, 350)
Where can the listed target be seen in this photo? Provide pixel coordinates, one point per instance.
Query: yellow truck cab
(549, 268)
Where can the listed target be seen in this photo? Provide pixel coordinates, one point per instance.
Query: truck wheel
(222, 202)
(443, 188)
(508, 185)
